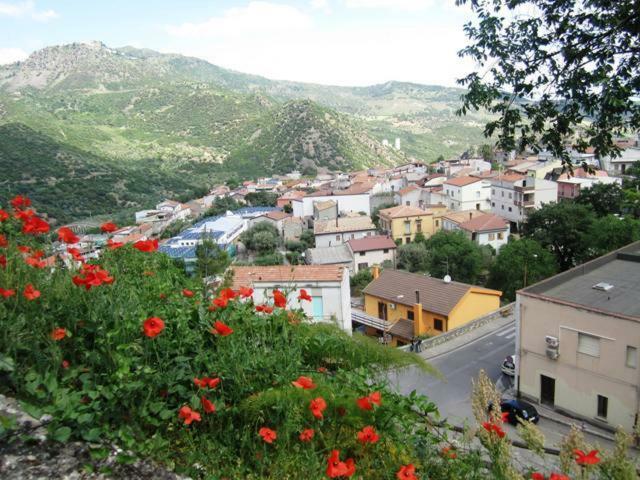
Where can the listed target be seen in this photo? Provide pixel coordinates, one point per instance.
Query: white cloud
(322, 5)
(410, 5)
(257, 18)
(26, 9)
(11, 55)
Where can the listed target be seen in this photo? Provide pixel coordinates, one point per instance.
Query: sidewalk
(567, 421)
(467, 338)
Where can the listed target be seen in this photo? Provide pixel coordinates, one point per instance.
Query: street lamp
(525, 268)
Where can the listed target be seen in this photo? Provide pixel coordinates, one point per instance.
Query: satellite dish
(447, 279)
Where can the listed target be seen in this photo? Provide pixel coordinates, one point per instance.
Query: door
(318, 308)
(547, 390)
(382, 310)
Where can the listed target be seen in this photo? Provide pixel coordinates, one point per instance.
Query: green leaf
(93, 435)
(6, 364)
(61, 434)
(85, 418)
(32, 410)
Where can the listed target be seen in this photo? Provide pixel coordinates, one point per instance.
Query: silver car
(509, 365)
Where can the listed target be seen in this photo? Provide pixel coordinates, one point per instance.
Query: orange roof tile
(462, 181)
(485, 222)
(285, 274)
(403, 211)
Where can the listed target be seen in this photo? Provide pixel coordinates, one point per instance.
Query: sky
(336, 42)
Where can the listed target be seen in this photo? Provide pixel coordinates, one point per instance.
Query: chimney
(375, 271)
(417, 296)
(417, 316)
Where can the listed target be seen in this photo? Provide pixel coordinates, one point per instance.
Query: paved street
(485, 349)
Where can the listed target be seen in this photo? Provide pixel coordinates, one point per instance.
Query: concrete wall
(473, 305)
(469, 196)
(338, 238)
(579, 377)
(346, 203)
(372, 257)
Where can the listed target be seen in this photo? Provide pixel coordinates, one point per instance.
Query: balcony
(525, 188)
(525, 203)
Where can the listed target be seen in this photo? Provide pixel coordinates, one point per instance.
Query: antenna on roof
(447, 279)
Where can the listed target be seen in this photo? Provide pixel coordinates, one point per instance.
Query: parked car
(509, 365)
(519, 409)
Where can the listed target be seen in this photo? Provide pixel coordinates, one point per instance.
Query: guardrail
(467, 327)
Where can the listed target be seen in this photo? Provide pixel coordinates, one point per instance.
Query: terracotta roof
(323, 205)
(402, 328)
(277, 215)
(408, 189)
(461, 181)
(293, 220)
(379, 242)
(284, 274)
(355, 189)
(435, 295)
(292, 194)
(484, 223)
(509, 177)
(464, 215)
(403, 211)
(343, 224)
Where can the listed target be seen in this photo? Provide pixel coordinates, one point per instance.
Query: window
(510, 195)
(493, 204)
(500, 235)
(632, 357)
(353, 236)
(589, 345)
(603, 404)
(418, 225)
(437, 324)
(477, 194)
(337, 237)
(407, 227)
(502, 193)
(492, 236)
(386, 250)
(363, 266)
(410, 315)
(407, 203)
(502, 207)
(437, 223)
(407, 240)
(362, 254)
(509, 208)
(493, 191)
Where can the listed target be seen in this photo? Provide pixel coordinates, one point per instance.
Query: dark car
(519, 409)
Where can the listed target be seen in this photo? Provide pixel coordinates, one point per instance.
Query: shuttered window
(632, 357)
(588, 344)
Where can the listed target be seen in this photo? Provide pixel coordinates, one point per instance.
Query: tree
(611, 232)
(287, 208)
(211, 259)
(308, 239)
(261, 238)
(603, 198)
(261, 199)
(454, 254)
(359, 281)
(487, 153)
(562, 228)
(233, 182)
(375, 214)
(221, 206)
(570, 69)
(274, 258)
(520, 263)
(413, 257)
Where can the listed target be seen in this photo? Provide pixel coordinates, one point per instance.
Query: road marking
(506, 330)
(475, 340)
(511, 335)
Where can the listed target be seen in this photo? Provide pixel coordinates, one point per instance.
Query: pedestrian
(419, 345)
(413, 344)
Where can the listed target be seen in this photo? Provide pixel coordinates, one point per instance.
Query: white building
(354, 199)
(179, 211)
(328, 286)
(619, 165)
(371, 251)
(329, 233)
(480, 227)
(513, 196)
(467, 193)
(275, 218)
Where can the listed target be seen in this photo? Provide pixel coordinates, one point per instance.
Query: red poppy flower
(20, 201)
(220, 302)
(317, 406)
(34, 226)
(305, 383)
(322, 370)
(146, 245)
(30, 293)
(206, 382)
(448, 452)
(493, 428)
(307, 435)
(65, 364)
(267, 434)
(336, 468)
(6, 293)
(3, 241)
(3, 215)
(590, 458)
(35, 262)
(75, 254)
(58, 334)
(227, 293)
(113, 245)
(368, 435)
(504, 417)
(207, 406)
(153, 326)
(538, 476)
(189, 415)
(108, 227)
(221, 329)
(264, 308)
(24, 248)
(3, 261)
(92, 276)
(407, 472)
(24, 215)
(187, 293)
(558, 476)
(66, 235)
(245, 292)
(279, 300)
(304, 295)
(366, 403)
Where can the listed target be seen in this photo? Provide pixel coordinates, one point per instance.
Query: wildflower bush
(128, 350)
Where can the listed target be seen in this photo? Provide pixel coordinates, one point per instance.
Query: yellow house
(402, 223)
(411, 305)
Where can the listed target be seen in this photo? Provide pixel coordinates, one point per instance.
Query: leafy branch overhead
(556, 73)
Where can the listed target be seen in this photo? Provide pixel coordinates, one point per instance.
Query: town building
(619, 165)
(570, 186)
(467, 193)
(514, 195)
(328, 286)
(325, 210)
(405, 305)
(329, 233)
(353, 199)
(402, 223)
(578, 336)
(275, 218)
(371, 251)
(292, 228)
(286, 198)
(337, 255)
(479, 227)
(178, 211)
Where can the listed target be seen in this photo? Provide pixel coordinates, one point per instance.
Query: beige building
(578, 335)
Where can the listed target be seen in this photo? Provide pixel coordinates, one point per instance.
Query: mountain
(140, 110)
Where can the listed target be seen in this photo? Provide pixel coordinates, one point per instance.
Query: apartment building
(514, 195)
(467, 193)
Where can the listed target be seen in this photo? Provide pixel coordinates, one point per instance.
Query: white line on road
(511, 335)
(505, 331)
(475, 340)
